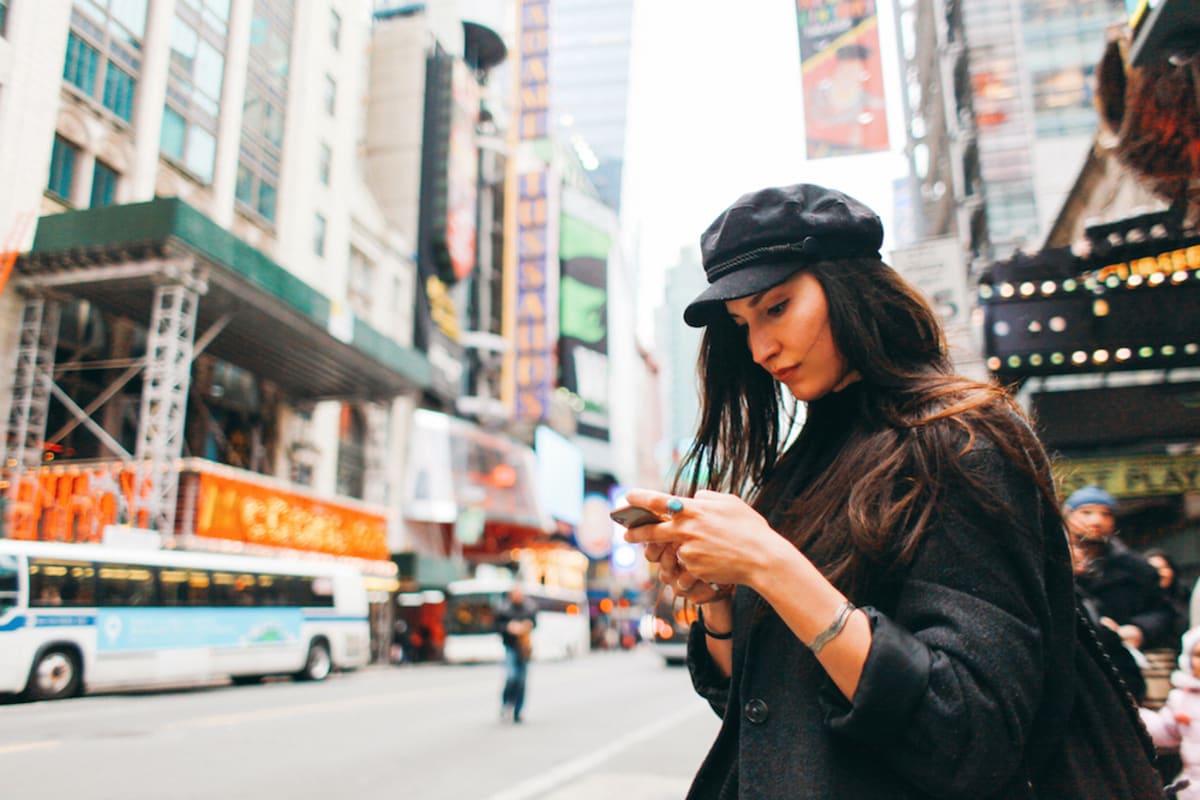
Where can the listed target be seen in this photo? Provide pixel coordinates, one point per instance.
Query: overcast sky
(716, 111)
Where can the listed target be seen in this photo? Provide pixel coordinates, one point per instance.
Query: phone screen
(633, 516)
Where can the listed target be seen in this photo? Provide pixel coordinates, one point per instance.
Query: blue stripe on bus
(64, 621)
(48, 621)
(316, 618)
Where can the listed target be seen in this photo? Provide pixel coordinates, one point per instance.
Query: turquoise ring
(674, 505)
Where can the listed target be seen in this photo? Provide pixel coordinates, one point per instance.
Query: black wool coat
(968, 676)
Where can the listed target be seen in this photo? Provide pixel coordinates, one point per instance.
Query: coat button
(756, 711)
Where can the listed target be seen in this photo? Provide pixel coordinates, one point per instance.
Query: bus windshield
(8, 582)
(471, 613)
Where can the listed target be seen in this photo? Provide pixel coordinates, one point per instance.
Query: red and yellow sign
(245, 511)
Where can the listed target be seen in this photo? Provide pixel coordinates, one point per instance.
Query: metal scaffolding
(169, 346)
(32, 383)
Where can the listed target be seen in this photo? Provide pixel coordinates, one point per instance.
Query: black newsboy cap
(766, 236)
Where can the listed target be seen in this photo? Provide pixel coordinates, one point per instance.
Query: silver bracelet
(829, 634)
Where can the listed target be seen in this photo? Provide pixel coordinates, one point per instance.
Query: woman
(890, 613)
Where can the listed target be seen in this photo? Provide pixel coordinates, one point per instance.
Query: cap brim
(744, 282)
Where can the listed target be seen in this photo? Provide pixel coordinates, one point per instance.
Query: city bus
(562, 630)
(78, 617)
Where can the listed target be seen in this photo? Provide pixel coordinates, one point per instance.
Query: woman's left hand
(715, 538)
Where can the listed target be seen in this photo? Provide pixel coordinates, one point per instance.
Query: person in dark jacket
(1178, 594)
(889, 612)
(516, 618)
(1122, 582)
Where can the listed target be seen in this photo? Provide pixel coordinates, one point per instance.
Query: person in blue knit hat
(1119, 584)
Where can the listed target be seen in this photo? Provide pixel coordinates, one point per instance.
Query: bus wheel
(55, 675)
(318, 665)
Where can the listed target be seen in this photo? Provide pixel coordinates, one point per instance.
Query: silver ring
(716, 587)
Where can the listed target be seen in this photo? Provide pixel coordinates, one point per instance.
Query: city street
(606, 725)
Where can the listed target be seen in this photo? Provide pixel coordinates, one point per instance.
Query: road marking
(573, 769)
(261, 715)
(25, 746)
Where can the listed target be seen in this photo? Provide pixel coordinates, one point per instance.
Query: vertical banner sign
(462, 173)
(583, 322)
(529, 225)
(534, 100)
(535, 359)
(842, 76)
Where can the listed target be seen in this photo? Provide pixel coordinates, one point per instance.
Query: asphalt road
(608, 725)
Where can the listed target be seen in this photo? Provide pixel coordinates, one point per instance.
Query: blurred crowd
(1142, 613)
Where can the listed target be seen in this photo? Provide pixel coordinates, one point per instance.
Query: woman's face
(787, 331)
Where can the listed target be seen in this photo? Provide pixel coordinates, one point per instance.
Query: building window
(62, 168)
(174, 131)
(118, 92)
(104, 185)
(330, 95)
(197, 71)
(188, 143)
(264, 110)
(361, 282)
(324, 163)
(104, 52)
(80, 67)
(335, 29)
(319, 235)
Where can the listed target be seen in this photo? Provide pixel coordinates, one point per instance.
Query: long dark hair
(878, 498)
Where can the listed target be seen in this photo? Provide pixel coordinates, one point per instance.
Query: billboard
(583, 322)
(842, 77)
(453, 160)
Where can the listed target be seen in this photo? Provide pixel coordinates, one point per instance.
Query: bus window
(271, 591)
(471, 614)
(198, 585)
(320, 590)
(223, 590)
(552, 604)
(184, 587)
(61, 583)
(243, 590)
(8, 582)
(124, 585)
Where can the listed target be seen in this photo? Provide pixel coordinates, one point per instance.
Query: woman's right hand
(715, 537)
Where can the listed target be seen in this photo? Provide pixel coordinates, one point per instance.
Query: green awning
(279, 327)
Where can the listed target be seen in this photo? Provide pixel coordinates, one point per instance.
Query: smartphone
(633, 516)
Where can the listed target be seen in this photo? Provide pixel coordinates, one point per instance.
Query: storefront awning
(275, 325)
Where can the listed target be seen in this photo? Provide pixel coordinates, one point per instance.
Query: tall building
(210, 306)
(1031, 66)
(590, 46)
(678, 348)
